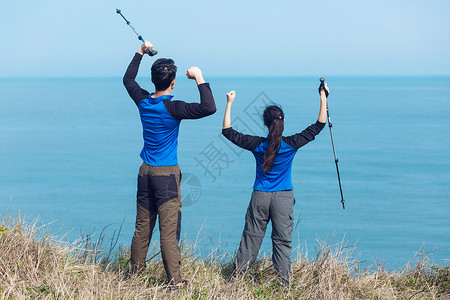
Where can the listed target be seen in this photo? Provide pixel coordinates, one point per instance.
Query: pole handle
(149, 51)
(322, 86)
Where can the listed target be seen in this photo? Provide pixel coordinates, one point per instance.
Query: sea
(69, 158)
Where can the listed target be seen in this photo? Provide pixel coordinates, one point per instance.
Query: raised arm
(207, 106)
(300, 139)
(129, 79)
(323, 105)
(245, 141)
(227, 117)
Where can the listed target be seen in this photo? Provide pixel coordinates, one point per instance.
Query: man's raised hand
(145, 45)
(195, 73)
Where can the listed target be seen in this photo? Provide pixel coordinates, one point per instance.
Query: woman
(272, 196)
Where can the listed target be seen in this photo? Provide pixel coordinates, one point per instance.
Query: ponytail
(274, 120)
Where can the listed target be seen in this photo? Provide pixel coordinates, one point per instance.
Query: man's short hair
(163, 72)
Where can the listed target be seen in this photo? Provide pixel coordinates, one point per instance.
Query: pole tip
(118, 10)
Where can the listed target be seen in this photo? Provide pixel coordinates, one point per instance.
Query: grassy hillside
(33, 264)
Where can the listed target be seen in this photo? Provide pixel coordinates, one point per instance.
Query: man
(159, 177)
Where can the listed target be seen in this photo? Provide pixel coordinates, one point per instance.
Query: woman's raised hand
(230, 96)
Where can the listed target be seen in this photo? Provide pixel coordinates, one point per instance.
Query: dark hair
(274, 120)
(163, 72)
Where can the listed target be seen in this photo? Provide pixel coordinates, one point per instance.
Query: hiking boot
(177, 287)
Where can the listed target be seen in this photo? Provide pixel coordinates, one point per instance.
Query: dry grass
(35, 265)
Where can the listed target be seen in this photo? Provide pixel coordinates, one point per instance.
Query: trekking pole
(149, 51)
(322, 86)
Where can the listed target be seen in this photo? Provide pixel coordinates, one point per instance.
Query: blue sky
(228, 38)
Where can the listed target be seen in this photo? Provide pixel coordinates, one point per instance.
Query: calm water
(69, 151)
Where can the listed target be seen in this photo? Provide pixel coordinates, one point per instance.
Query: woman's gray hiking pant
(264, 206)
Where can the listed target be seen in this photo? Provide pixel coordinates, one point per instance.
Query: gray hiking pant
(264, 206)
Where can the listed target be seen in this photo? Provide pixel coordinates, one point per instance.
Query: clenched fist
(230, 96)
(195, 73)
